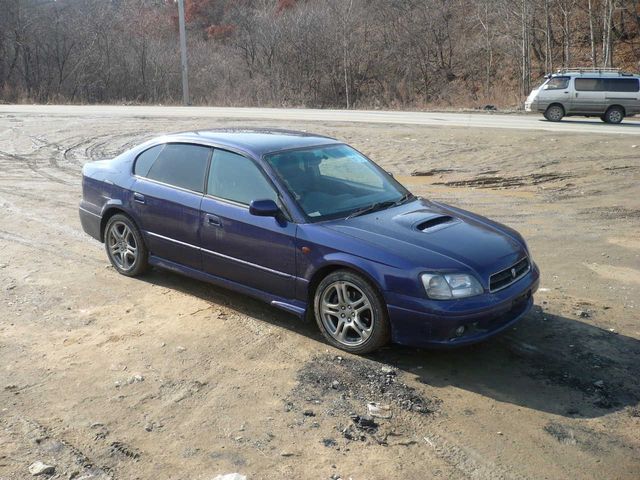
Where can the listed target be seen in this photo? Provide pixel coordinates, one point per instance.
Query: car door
(166, 199)
(258, 252)
(555, 90)
(588, 96)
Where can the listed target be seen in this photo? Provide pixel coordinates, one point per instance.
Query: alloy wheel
(555, 113)
(123, 248)
(346, 313)
(614, 116)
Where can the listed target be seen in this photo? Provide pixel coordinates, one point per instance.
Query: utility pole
(183, 54)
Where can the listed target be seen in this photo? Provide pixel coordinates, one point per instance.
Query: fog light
(460, 331)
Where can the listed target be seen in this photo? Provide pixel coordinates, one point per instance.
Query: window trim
(164, 145)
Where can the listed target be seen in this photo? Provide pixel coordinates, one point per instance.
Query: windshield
(335, 181)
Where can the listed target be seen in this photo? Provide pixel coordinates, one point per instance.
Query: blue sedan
(312, 226)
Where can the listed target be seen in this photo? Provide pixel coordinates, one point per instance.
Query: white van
(607, 93)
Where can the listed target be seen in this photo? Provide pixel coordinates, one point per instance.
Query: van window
(621, 84)
(557, 83)
(590, 84)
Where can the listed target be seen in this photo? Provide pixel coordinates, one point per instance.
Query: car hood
(435, 236)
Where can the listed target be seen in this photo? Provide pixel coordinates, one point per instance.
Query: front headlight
(450, 285)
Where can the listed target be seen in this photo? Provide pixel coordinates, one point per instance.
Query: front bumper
(421, 322)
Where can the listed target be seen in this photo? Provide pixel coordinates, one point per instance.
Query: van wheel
(554, 113)
(614, 115)
(603, 118)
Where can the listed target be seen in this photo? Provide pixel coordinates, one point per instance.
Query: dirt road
(163, 377)
(475, 119)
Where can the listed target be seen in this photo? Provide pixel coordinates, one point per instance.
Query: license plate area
(520, 299)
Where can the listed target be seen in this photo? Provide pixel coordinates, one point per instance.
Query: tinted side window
(590, 84)
(145, 160)
(622, 84)
(234, 177)
(181, 165)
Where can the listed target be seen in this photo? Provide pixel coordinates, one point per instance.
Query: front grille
(506, 277)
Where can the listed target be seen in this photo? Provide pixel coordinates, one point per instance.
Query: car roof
(253, 140)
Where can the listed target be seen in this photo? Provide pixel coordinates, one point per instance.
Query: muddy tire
(554, 113)
(351, 313)
(125, 246)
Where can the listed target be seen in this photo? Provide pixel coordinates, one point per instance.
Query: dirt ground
(164, 377)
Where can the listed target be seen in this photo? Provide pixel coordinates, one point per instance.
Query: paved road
(475, 120)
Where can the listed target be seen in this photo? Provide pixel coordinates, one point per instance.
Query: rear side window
(181, 165)
(621, 84)
(236, 178)
(557, 83)
(590, 84)
(145, 160)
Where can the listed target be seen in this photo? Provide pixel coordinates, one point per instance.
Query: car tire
(602, 117)
(614, 115)
(554, 113)
(351, 313)
(125, 246)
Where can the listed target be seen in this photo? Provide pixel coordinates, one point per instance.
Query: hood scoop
(436, 223)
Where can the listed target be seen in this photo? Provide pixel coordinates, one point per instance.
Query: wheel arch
(616, 105)
(109, 211)
(331, 265)
(558, 104)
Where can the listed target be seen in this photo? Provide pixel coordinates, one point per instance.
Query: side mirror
(264, 208)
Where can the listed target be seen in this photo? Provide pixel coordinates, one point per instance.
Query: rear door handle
(212, 220)
(138, 197)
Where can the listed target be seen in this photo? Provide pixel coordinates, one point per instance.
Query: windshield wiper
(404, 199)
(379, 206)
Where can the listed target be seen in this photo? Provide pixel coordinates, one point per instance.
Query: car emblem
(513, 273)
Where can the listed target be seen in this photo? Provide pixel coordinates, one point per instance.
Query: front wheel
(125, 247)
(351, 313)
(554, 113)
(614, 115)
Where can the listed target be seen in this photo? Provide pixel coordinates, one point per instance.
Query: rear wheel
(554, 113)
(125, 247)
(614, 115)
(351, 313)
(602, 118)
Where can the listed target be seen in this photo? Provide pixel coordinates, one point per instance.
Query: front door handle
(212, 220)
(138, 197)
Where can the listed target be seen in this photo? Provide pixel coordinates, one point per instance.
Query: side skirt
(292, 306)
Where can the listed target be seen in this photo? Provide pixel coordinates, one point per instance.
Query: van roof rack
(591, 70)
